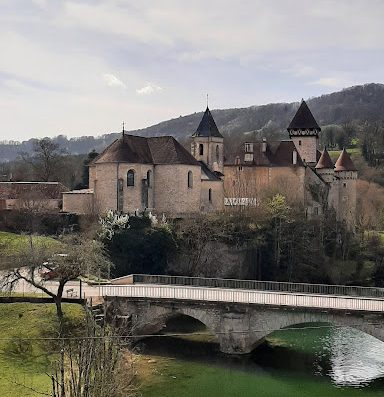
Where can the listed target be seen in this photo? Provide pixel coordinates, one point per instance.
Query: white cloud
(148, 89)
(113, 81)
(40, 3)
(329, 82)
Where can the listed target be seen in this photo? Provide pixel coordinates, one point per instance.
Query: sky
(81, 67)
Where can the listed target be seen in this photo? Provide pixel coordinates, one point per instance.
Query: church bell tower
(208, 144)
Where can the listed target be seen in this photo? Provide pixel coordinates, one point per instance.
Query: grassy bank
(9, 242)
(26, 362)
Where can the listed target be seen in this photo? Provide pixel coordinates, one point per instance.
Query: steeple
(208, 144)
(344, 162)
(304, 132)
(325, 161)
(303, 123)
(207, 126)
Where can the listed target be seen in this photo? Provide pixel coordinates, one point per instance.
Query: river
(314, 360)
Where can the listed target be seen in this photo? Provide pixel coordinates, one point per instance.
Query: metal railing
(302, 288)
(243, 296)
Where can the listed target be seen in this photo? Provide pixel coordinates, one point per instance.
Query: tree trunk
(58, 300)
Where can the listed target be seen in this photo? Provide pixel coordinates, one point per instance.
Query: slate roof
(207, 126)
(17, 190)
(154, 150)
(207, 174)
(277, 154)
(344, 162)
(303, 119)
(324, 161)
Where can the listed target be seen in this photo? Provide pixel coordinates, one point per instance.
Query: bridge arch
(292, 319)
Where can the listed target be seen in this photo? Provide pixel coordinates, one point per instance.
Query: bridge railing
(318, 289)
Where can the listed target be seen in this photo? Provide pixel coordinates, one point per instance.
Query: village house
(32, 196)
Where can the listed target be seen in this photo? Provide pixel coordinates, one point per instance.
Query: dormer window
(248, 147)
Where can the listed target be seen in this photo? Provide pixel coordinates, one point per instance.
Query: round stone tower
(346, 175)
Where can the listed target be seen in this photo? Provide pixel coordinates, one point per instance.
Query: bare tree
(46, 158)
(66, 261)
(99, 365)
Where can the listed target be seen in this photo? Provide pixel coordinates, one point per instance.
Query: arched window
(210, 195)
(217, 153)
(131, 178)
(190, 179)
(149, 178)
(201, 149)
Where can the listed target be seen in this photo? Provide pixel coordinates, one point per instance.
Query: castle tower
(325, 168)
(208, 144)
(304, 132)
(346, 176)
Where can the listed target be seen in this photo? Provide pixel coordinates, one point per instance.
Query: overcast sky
(83, 67)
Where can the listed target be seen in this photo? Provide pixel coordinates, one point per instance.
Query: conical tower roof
(344, 162)
(207, 126)
(324, 161)
(304, 120)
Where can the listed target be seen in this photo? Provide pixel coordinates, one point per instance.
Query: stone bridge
(239, 319)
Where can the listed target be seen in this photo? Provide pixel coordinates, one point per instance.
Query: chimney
(264, 145)
(294, 157)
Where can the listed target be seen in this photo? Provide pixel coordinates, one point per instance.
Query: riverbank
(25, 357)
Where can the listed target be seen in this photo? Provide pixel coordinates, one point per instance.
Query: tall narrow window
(217, 153)
(299, 143)
(131, 178)
(201, 149)
(190, 179)
(210, 195)
(149, 178)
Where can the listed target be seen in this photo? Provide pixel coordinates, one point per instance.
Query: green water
(292, 363)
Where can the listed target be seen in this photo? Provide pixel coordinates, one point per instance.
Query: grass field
(10, 242)
(26, 362)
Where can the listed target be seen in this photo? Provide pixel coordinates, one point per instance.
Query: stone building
(295, 168)
(158, 174)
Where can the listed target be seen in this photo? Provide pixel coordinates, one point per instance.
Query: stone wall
(307, 147)
(171, 192)
(213, 200)
(257, 182)
(78, 203)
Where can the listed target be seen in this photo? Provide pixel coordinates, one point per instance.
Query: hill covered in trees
(357, 105)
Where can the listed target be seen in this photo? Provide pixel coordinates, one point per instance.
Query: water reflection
(355, 357)
(346, 356)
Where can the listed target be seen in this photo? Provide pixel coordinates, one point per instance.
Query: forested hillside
(355, 105)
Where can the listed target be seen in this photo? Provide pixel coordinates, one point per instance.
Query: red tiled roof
(344, 162)
(324, 161)
(16, 190)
